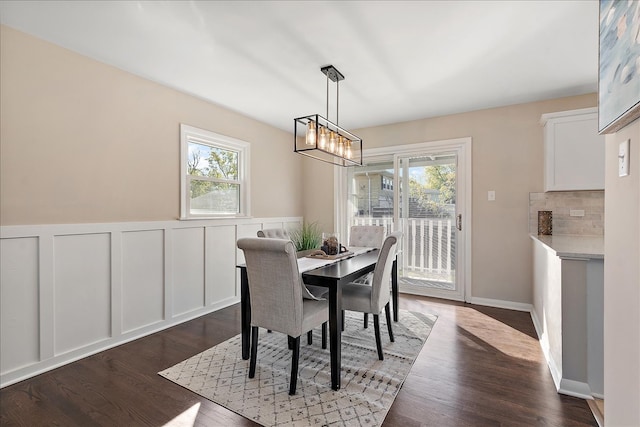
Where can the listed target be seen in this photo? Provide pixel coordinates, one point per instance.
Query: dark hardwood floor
(480, 367)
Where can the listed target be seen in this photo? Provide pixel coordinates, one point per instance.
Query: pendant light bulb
(340, 147)
(311, 133)
(332, 142)
(347, 150)
(322, 139)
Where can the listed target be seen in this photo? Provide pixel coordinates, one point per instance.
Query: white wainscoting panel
(221, 268)
(267, 225)
(71, 290)
(142, 279)
(188, 270)
(247, 230)
(82, 289)
(19, 317)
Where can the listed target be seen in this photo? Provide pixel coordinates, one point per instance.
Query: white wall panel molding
(82, 290)
(19, 296)
(71, 290)
(220, 255)
(168, 275)
(143, 297)
(188, 270)
(45, 287)
(116, 283)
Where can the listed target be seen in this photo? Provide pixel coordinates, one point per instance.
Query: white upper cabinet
(573, 151)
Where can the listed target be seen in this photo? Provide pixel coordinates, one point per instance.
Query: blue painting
(619, 72)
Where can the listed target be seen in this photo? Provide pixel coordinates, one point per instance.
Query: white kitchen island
(568, 292)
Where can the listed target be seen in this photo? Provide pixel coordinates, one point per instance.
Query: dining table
(332, 275)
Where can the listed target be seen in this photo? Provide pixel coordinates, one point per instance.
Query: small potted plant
(308, 237)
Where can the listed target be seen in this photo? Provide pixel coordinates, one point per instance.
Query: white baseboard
(556, 374)
(510, 305)
(536, 323)
(563, 385)
(575, 389)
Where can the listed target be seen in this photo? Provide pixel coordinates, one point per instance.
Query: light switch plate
(623, 158)
(491, 195)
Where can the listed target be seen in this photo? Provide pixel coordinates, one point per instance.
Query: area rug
(368, 387)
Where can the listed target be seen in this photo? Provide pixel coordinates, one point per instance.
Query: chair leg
(294, 365)
(254, 351)
(310, 337)
(376, 327)
(324, 335)
(387, 310)
(290, 342)
(342, 320)
(366, 320)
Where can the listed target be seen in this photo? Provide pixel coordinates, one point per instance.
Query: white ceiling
(402, 60)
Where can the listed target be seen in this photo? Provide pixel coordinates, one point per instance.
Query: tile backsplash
(561, 203)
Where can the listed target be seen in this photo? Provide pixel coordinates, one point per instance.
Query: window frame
(204, 137)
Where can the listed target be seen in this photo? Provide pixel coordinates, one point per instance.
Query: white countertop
(568, 246)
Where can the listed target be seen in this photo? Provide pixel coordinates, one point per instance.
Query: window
(387, 183)
(214, 172)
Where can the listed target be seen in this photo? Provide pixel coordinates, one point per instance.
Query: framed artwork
(619, 64)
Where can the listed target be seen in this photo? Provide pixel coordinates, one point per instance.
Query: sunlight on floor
(185, 419)
(491, 332)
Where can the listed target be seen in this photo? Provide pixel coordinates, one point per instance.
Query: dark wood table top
(346, 269)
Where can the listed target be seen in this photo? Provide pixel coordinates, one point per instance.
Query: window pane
(197, 161)
(214, 198)
(205, 160)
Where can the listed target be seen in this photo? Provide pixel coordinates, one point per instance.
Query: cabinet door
(574, 154)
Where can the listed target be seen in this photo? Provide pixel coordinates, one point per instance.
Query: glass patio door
(422, 191)
(371, 195)
(426, 213)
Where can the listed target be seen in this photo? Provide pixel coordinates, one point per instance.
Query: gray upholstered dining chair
(366, 236)
(316, 291)
(373, 297)
(277, 302)
(274, 233)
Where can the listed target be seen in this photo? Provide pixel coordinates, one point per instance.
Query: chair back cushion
(274, 233)
(275, 285)
(368, 236)
(380, 283)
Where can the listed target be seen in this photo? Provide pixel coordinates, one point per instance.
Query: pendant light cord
(337, 101)
(327, 96)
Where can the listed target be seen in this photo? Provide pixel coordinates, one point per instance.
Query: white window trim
(188, 133)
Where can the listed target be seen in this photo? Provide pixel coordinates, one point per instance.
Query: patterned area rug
(369, 385)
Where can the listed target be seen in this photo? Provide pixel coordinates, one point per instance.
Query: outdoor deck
(427, 253)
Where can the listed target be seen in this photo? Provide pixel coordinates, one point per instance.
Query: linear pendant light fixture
(315, 136)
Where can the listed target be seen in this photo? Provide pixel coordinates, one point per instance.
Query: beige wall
(318, 194)
(508, 158)
(622, 283)
(85, 142)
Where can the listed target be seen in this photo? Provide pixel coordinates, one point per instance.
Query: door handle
(459, 222)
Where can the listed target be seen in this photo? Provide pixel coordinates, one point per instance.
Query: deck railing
(428, 243)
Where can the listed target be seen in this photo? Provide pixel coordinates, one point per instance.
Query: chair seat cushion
(315, 313)
(319, 292)
(357, 297)
(365, 279)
